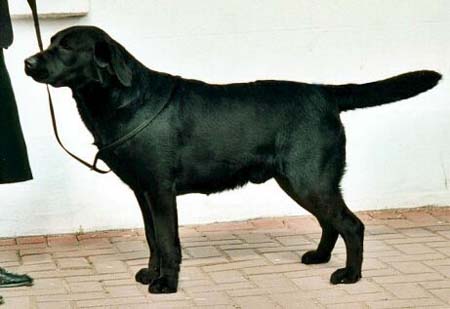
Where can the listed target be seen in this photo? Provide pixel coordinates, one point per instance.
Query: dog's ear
(109, 55)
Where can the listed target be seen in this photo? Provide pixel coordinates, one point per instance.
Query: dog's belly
(216, 177)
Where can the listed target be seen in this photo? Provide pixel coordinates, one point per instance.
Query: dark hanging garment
(14, 166)
(6, 33)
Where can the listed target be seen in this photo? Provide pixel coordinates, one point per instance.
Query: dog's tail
(352, 96)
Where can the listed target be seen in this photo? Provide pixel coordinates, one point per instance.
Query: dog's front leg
(148, 274)
(164, 214)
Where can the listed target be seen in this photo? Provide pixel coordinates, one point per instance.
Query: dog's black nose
(34, 67)
(30, 63)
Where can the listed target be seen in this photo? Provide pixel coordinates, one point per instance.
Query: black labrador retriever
(206, 138)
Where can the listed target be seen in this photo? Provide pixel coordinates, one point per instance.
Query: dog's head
(78, 56)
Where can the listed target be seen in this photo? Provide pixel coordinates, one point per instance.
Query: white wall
(398, 155)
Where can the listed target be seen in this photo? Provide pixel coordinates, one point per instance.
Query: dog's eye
(65, 46)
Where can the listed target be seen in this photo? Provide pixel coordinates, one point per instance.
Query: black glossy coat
(210, 138)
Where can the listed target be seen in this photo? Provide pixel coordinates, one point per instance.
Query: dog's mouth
(39, 76)
(33, 70)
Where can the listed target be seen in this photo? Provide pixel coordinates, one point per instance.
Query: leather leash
(114, 144)
(121, 140)
(32, 4)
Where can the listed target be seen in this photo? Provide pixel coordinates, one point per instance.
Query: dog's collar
(136, 130)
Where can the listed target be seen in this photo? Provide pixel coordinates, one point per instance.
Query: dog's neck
(103, 107)
(110, 111)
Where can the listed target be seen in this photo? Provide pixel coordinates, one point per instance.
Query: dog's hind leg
(352, 231)
(335, 219)
(326, 245)
(148, 274)
(310, 174)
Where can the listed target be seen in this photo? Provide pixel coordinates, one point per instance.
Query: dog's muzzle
(34, 69)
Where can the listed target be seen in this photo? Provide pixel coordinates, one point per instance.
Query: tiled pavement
(251, 264)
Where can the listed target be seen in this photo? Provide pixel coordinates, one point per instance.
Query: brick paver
(250, 264)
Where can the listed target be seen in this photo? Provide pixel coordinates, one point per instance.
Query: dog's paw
(164, 285)
(313, 257)
(146, 275)
(345, 275)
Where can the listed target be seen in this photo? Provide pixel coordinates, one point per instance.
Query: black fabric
(14, 166)
(6, 33)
